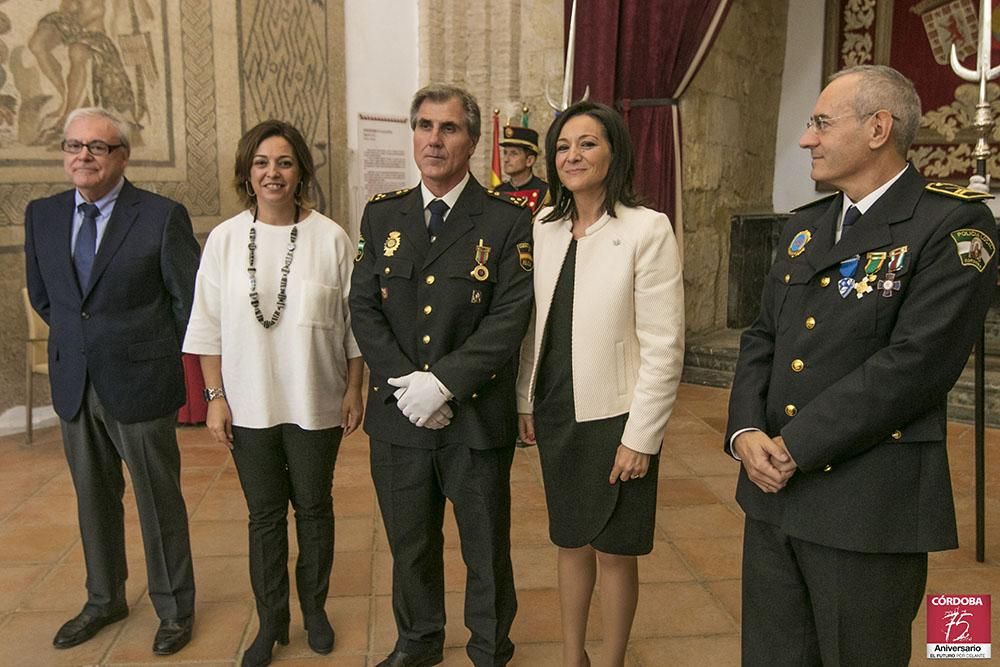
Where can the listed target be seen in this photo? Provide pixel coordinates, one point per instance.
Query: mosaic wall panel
(284, 75)
(121, 54)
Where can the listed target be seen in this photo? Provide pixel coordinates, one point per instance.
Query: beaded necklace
(252, 272)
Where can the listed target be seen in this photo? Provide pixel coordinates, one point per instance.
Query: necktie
(850, 217)
(436, 224)
(86, 243)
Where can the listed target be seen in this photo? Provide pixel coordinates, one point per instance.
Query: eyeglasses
(820, 124)
(95, 148)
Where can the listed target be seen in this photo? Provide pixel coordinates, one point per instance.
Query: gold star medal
(391, 244)
(481, 273)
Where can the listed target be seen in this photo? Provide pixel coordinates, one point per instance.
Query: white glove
(422, 396)
(440, 419)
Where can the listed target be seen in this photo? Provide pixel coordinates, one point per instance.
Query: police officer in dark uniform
(520, 150)
(838, 406)
(440, 300)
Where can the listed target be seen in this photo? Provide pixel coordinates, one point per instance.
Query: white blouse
(296, 371)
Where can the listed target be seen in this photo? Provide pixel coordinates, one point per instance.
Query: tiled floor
(688, 608)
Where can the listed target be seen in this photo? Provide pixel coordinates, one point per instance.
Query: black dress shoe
(84, 626)
(400, 659)
(173, 635)
(320, 632)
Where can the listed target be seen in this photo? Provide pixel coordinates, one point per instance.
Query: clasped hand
(421, 400)
(766, 460)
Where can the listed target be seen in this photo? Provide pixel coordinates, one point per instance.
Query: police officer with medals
(838, 407)
(520, 150)
(440, 300)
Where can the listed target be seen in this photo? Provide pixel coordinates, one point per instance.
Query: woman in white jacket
(600, 369)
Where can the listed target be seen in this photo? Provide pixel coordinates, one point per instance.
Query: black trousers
(277, 465)
(96, 444)
(412, 485)
(808, 604)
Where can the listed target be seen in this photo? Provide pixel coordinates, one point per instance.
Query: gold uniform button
(475, 396)
(426, 339)
(375, 388)
(493, 377)
(427, 367)
(787, 278)
(429, 280)
(790, 410)
(896, 435)
(798, 365)
(827, 468)
(427, 310)
(824, 281)
(387, 270)
(810, 323)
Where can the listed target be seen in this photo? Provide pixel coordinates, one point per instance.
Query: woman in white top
(600, 369)
(282, 371)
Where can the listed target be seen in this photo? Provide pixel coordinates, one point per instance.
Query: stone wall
(729, 122)
(192, 75)
(504, 52)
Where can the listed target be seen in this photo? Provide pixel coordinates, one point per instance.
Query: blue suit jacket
(124, 330)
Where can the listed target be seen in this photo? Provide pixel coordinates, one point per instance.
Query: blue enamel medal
(847, 268)
(798, 244)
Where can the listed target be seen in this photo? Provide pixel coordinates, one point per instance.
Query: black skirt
(577, 457)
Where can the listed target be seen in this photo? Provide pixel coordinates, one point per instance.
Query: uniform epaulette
(503, 196)
(814, 202)
(957, 191)
(382, 196)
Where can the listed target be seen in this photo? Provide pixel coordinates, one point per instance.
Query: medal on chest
(481, 273)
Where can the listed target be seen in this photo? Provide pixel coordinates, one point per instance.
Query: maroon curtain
(639, 56)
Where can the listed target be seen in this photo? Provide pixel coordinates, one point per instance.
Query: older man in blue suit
(111, 268)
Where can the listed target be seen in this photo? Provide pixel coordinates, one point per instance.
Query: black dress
(577, 457)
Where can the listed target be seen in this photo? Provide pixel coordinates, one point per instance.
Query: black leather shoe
(400, 659)
(173, 635)
(320, 632)
(84, 626)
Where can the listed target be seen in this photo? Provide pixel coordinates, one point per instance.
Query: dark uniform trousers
(850, 361)
(96, 444)
(412, 485)
(457, 308)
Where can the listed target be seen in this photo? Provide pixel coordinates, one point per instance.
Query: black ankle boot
(320, 632)
(258, 654)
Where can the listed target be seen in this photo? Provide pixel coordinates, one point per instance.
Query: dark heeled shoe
(320, 632)
(258, 654)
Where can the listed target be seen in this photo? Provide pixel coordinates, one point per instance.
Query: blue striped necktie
(86, 243)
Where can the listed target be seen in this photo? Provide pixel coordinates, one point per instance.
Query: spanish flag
(495, 179)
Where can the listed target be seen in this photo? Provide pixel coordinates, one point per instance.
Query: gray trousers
(96, 444)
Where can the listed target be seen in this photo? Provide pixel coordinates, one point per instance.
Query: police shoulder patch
(975, 248)
(814, 202)
(957, 191)
(520, 202)
(525, 257)
(383, 196)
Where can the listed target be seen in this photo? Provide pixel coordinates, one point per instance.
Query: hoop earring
(250, 192)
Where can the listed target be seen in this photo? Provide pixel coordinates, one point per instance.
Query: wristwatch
(212, 393)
